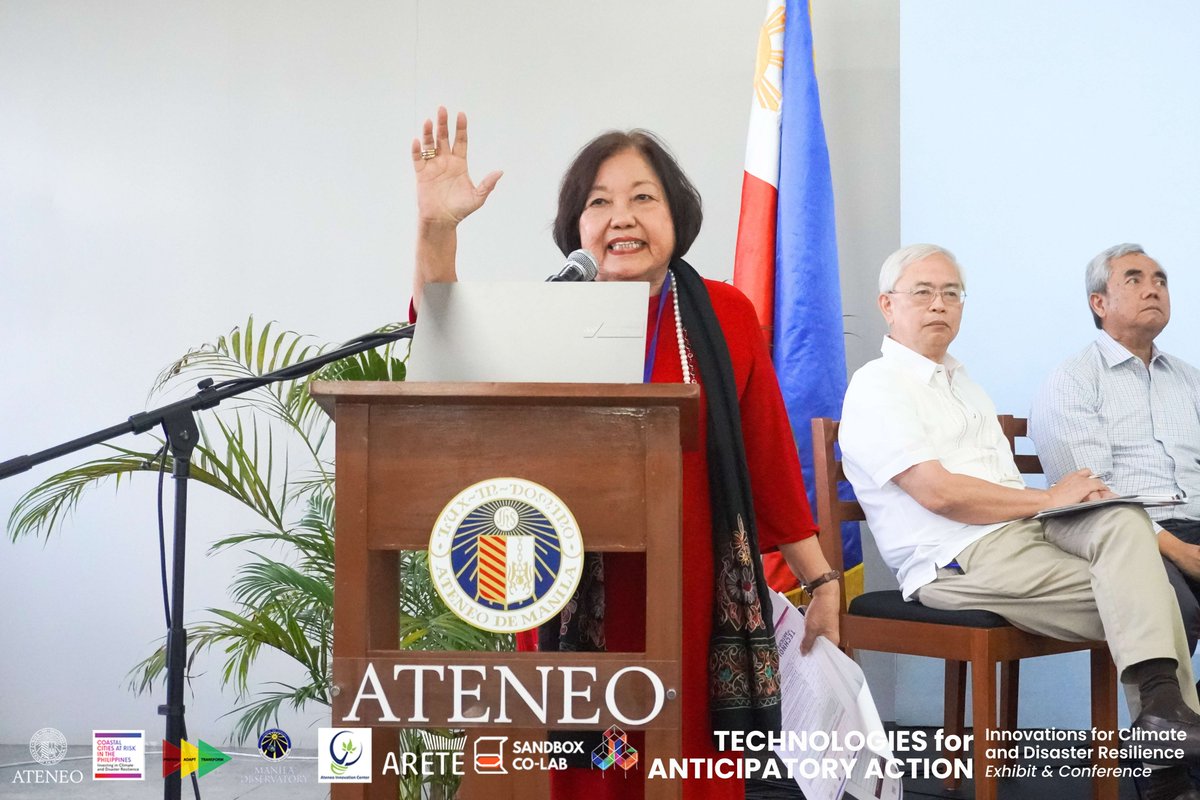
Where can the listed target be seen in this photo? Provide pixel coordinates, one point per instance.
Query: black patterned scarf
(743, 664)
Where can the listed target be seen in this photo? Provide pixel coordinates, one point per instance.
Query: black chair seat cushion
(891, 605)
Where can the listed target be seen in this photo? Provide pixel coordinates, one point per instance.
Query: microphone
(581, 266)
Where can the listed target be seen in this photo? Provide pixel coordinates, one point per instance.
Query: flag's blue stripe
(809, 351)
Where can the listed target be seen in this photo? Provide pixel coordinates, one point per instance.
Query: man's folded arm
(974, 501)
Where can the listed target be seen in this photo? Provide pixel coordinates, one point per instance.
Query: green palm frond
(372, 365)
(241, 637)
(47, 506)
(426, 623)
(446, 631)
(241, 353)
(246, 635)
(380, 364)
(237, 462)
(248, 466)
(311, 540)
(309, 482)
(267, 582)
(246, 352)
(263, 712)
(284, 607)
(315, 548)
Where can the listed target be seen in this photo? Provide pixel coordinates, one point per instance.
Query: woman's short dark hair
(682, 198)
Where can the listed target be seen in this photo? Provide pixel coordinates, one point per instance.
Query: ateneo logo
(506, 555)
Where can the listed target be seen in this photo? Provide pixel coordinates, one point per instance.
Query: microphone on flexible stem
(581, 266)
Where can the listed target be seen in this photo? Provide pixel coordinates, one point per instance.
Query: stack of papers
(825, 690)
(1135, 499)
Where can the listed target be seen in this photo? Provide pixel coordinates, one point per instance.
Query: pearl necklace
(684, 350)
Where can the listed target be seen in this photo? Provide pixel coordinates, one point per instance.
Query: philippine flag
(786, 260)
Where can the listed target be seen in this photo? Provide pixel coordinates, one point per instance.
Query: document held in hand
(1125, 499)
(832, 735)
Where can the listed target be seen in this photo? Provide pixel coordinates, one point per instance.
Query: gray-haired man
(1131, 412)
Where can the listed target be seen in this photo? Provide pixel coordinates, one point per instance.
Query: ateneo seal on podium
(506, 554)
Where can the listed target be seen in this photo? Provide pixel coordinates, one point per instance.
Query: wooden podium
(610, 452)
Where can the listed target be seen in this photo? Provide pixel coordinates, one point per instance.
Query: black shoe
(1170, 734)
(1171, 783)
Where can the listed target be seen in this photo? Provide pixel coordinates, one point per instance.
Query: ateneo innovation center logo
(344, 755)
(506, 555)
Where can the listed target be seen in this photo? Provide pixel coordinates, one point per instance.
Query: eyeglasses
(923, 295)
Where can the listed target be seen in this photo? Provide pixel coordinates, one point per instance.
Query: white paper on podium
(826, 691)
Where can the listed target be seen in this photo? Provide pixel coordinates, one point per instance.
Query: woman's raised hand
(445, 193)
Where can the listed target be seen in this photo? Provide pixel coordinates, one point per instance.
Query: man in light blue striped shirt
(1131, 413)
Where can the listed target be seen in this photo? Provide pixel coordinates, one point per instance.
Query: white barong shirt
(901, 410)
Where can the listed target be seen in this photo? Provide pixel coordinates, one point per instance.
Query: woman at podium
(626, 200)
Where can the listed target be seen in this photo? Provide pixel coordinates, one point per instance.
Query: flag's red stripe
(754, 259)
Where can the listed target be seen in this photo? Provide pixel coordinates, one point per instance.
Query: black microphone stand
(178, 421)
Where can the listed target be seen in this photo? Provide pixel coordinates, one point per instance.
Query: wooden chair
(884, 622)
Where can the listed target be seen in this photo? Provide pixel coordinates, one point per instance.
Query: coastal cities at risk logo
(343, 755)
(118, 755)
(505, 555)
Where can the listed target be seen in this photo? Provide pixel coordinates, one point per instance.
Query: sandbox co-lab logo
(506, 555)
(344, 755)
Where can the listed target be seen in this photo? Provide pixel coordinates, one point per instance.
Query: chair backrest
(832, 511)
(1018, 428)
(828, 476)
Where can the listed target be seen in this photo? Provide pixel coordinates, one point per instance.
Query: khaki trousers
(1093, 575)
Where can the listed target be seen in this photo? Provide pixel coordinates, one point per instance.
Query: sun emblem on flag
(505, 555)
(768, 64)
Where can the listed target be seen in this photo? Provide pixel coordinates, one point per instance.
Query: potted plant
(268, 450)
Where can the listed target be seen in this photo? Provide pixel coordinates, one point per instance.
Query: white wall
(166, 170)
(1034, 135)
(857, 44)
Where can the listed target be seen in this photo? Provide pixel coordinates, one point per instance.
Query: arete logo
(48, 747)
(615, 750)
(344, 755)
(434, 754)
